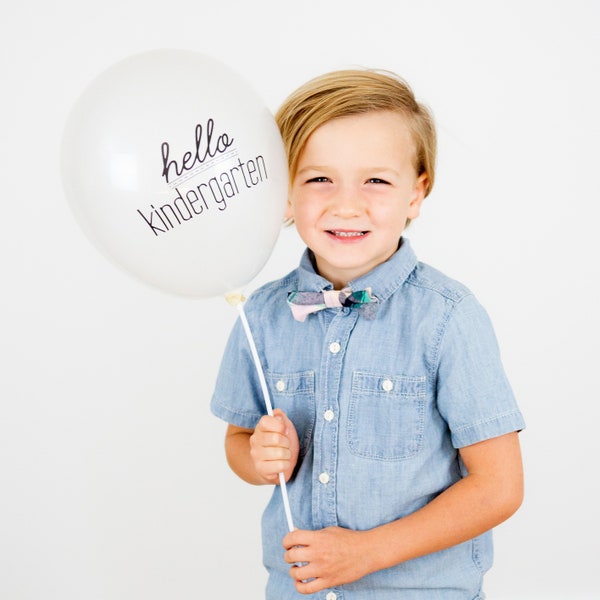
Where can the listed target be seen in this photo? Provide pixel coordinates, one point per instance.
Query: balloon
(176, 171)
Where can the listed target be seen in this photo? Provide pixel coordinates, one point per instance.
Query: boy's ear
(289, 211)
(419, 192)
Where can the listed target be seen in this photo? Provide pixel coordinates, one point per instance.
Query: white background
(113, 484)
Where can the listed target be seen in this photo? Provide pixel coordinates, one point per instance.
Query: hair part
(353, 92)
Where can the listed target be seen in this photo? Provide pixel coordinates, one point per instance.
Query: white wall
(113, 483)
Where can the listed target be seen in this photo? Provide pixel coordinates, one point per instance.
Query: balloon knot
(234, 298)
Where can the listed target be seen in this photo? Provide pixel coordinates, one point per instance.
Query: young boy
(395, 426)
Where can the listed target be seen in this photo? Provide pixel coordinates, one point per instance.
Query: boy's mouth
(346, 234)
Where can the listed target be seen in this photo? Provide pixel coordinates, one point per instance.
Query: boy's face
(353, 192)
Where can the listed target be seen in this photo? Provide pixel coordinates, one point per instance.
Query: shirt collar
(384, 279)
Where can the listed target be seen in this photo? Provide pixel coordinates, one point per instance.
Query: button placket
(326, 434)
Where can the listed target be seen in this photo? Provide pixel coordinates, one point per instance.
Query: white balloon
(176, 171)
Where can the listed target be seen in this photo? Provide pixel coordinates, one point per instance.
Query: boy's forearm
(461, 513)
(237, 450)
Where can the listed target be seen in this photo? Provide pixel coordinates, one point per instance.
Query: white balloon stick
(237, 300)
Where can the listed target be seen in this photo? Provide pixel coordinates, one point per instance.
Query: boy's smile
(354, 190)
(348, 236)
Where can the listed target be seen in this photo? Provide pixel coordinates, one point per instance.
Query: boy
(395, 426)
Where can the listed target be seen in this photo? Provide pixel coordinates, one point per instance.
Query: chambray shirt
(381, 407)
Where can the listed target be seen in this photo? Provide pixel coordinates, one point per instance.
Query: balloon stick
(238, 300)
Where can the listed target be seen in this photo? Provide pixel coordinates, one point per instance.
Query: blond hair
(351, 92)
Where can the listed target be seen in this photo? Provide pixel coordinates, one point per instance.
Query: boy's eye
(318, 180)
(377, 180)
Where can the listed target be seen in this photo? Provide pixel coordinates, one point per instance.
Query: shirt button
(324, 478)
(328, 415)
(334, 347)
(387, 385)
(280, 385)
(331, 596)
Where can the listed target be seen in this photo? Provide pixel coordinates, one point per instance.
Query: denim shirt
(381, 407)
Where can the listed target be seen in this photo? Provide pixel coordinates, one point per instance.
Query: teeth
(348, 233)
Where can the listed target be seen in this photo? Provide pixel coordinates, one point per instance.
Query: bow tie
(304, 303)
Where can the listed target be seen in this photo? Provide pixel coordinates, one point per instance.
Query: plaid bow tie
(304, 303)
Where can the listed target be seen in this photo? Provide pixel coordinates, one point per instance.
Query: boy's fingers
(272, 424)
(298, 537)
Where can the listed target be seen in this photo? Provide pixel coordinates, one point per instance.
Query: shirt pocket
(294, 393)
(386, 416)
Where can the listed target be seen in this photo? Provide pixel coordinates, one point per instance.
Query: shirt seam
(442, 332)
(486, 421)
(456, 296)
(234, 411)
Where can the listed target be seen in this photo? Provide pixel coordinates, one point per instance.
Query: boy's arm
(237, 450)
(490, 493)
(259, 455)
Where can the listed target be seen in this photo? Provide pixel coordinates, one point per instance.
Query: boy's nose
(346, 203)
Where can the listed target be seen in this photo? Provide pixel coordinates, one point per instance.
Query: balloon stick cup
(237, 300)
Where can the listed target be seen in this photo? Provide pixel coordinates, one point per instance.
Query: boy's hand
(330, 557)
(274, 446)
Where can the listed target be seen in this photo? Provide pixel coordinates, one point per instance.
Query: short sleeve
(237, 397)
(473, 392)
